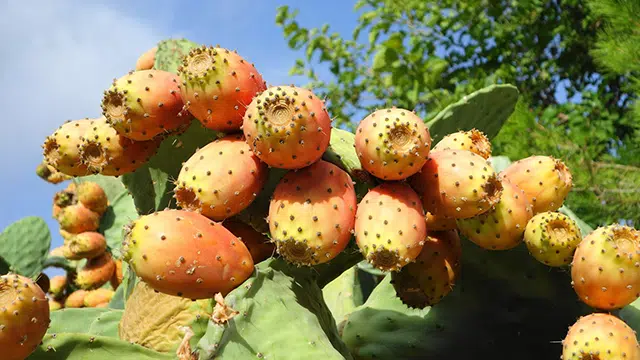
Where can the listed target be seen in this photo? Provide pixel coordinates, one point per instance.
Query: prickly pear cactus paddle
(169, 54)
(343, 294)
(93, 321)
(24, 245)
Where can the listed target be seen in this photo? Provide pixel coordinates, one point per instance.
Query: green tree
(425, 55)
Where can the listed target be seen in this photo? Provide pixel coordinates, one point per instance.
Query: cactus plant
(25, 244)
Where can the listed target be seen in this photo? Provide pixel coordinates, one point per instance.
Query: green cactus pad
(630, 314)
(91, 321)
(343, 294)
(60, 262)
(170, 53)
(24, 245)
(486, 109)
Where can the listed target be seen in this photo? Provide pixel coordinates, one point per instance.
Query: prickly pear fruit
(117, 277)
(502, 227)
(58, 251)
(546, 181)
(77, 219)
(258, 244)
(57, 284)
(600, 336)
(183, 253)
(24, 316)
(287, 127)
(62, 148)
(98, 296)
(107, 152)
(217, 85)
(66, 236)
(86, 245)
(62, 199)
(55, 305)
(604, 269)
(75, 299)
(92, 196)
(392, 144)
(144, 104)
(50, 174)
(96, 272)
(457, 183)
(221, 179)
(552, 238)
(473, 140)
(390, 226)
(434, 273)
(312, 213)
(147, 59)
(440, 223)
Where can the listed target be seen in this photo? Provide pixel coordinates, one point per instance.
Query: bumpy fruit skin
(144, 104)
(97, 297)
(96, 272)
(221, 179)
(433, 274)
(390, 226)
(62, 148)
(440, 223)
(312, 213)
(473, 140)
(92, 196)
(287, 127)
(117, 277)
(600, 336)
(75, 299)
(86, 245)
(109, 153)
(24, 316)
(217, 85)
(77, 219)
(457, 183)
(552, 238)
(546, 181)
(604, 269)
(183, 253)
(57, 284)
(392, 144)
(147, 59)
(258, 244)
(503, 226)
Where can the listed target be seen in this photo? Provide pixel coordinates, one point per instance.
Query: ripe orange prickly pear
(183, 253)
(434, 273)
(75, 299)
(502, 227)
(117, 277)
(312, 213)
(473, 140)
(92, 196)
(604, 270)
(457, 183)
(552, 238)
(24, 316)
(86, 245)
(96, 272)
(392, 144)
(440, 223)
(258, 244)
(62, 148)
(545, 180)
(216, 86)
(390, 226)
(600, 336)
(287, 127)
(147, 59)
(62, 199)
(107, 152)
(55, 305)
(96, 297)
(144, 104)
(221, 179)
(57, 286)
(77, 219)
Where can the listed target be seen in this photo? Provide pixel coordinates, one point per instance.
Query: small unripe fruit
(552, 238)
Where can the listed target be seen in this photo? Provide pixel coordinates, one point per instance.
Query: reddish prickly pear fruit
(62, 148)
(473, 140)
(604, 269)
(390, 226)
(440, 223)
(75, 299)
(147, 59)
(117, 277)
(144, 104)
(392, 144)
(97, 297)
(434, 273)
(312, 213)
(57, 284)
(457, 183)
(55, 305)
(287, 127)
(86, 245)
(93, 197)
(600, 336)
(107, 152)
(546, 181)
(96, 272)
(260, 247)
(217, 85)
(221, 179)
(24, 316)
(183, 253)
(77, 219)
(552, 238)
(502, 227)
